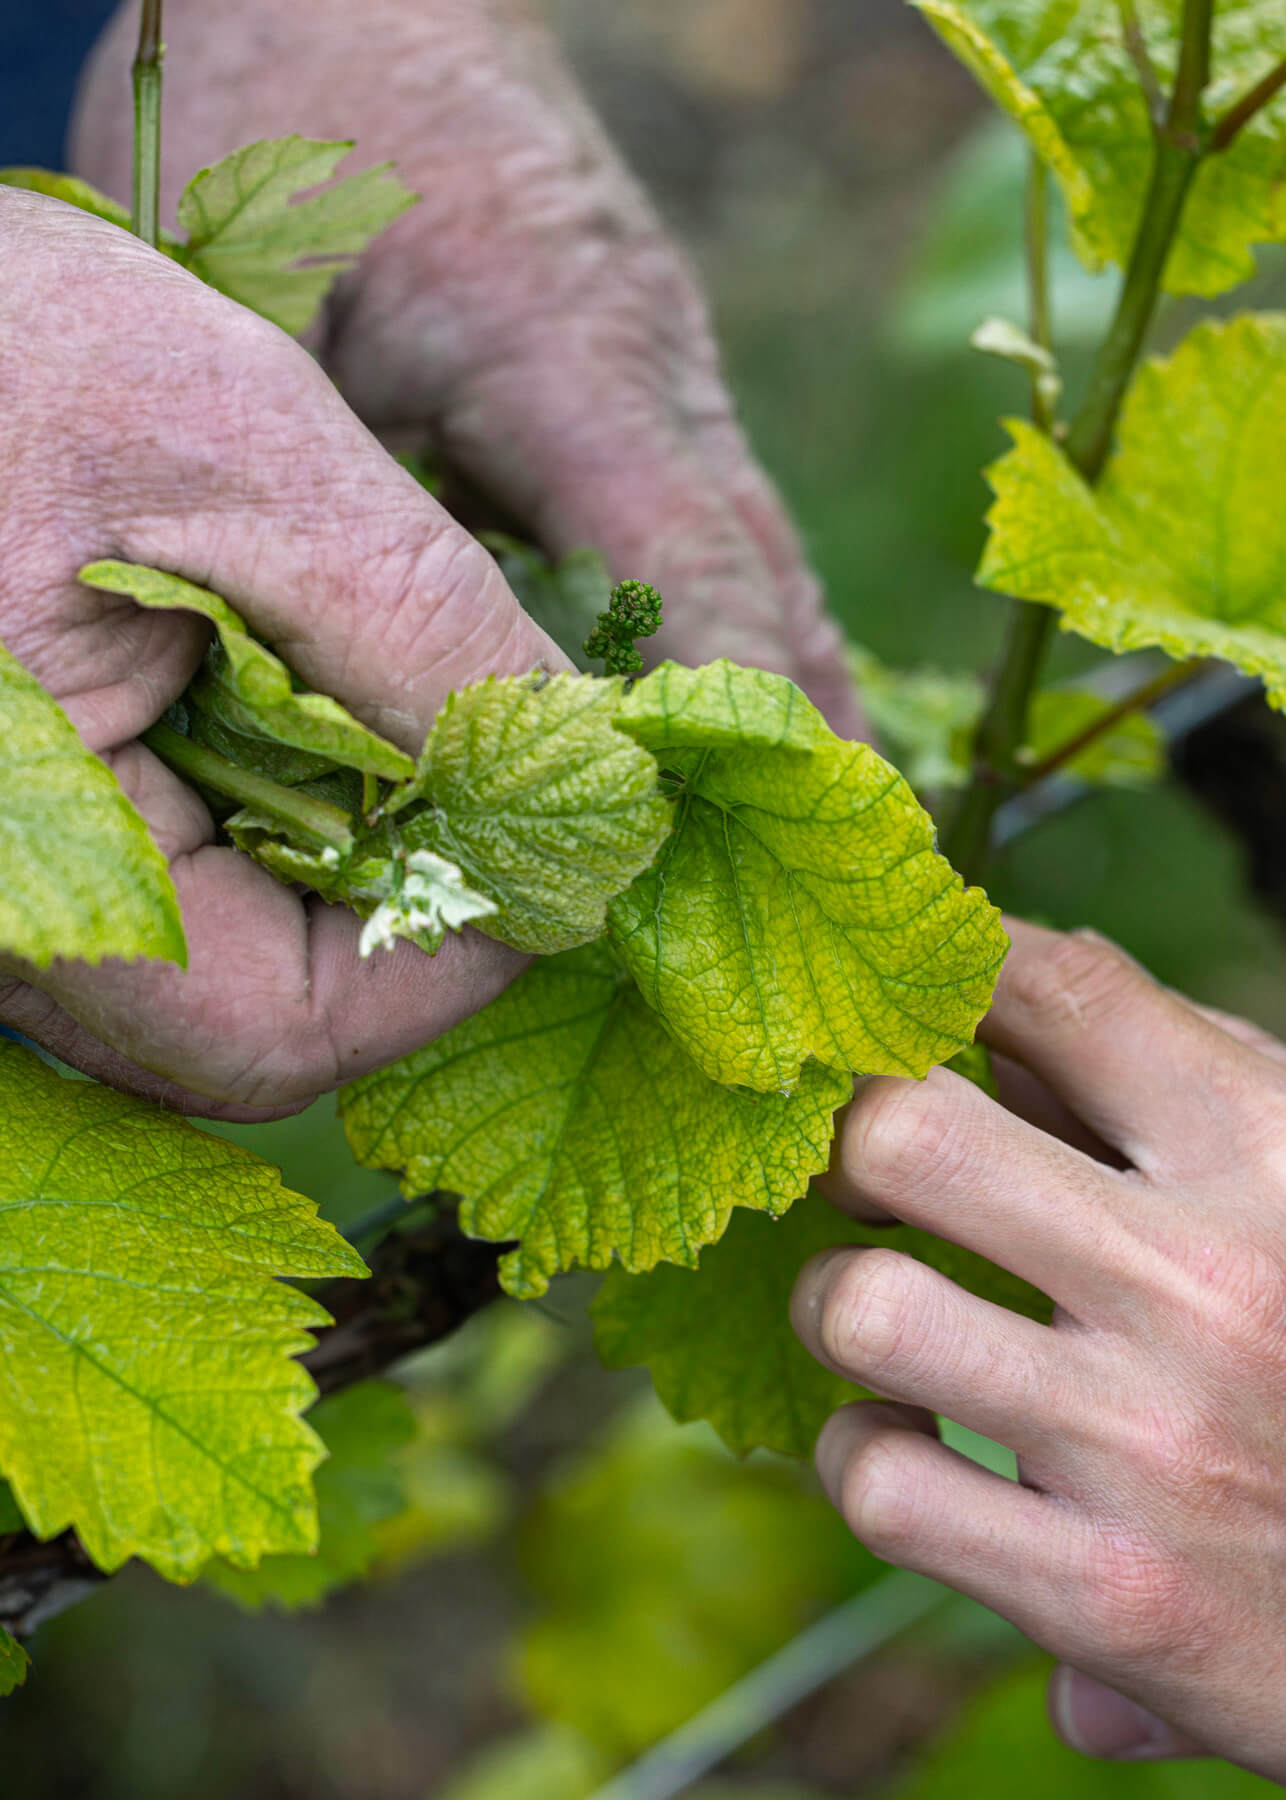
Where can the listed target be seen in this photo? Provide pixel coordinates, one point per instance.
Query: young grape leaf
(799, 907)
(544, 805)
(82, 876)
(248, 687)
(1063, 70)
(252, 239)
(661, 1570)
(358, 1487)
(148, 1395)
(567, 1117)
(1183, 542)
(718, 1341)
(14, 1663)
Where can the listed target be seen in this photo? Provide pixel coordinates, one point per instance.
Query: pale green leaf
(661, 1571)
(251, 690)
(718, 1341)
(922, 716)
(1183, 542)
(82, 875)
(567, 1117)
(1062, 70)
(432, 899)
(359, 1486)
(14, 1663)
(69, 188)
(546, 808)
(148, 1396)
(1130, 754)
(799, 907)
(252, 239)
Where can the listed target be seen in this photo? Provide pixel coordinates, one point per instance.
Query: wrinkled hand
(1147, 1543)
(530, 313)
(143, 416)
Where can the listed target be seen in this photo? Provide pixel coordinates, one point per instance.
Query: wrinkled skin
(1137, 1174)
(531, 316)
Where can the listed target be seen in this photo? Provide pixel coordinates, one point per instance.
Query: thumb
(1099, 1721)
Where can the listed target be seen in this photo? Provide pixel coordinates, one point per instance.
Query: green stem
(1147, 694)
(1040, 321)
(146, 75)
(315, 820)
(1179, 147)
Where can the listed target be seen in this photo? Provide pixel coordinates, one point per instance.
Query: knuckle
(880, 1495)
(903, 1131)
(866, 1314)
(1141, 1602)
(1075, 979)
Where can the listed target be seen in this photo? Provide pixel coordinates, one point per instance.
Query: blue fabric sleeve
(43, 46)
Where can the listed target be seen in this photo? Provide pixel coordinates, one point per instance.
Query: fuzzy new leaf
(252, 689)
(82, 876)
(799, 907)
(1183, 542)
(546, 808)
(1063, 70)
(148, 1396)
(250, 237)
(718, 1341)
(599, 1137)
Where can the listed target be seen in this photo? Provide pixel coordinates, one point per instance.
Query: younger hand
(1146, 1544)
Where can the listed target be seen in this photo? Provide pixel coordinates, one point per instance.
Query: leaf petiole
(146, 76)
(316, 821)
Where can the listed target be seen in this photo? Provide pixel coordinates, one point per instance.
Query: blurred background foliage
(556, 1576)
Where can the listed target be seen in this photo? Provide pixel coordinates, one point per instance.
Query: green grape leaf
(147, 1392)
(566, 1116)
(1130, 754)
(544, 805)
(661, 1570)
(718, 1340)
(14, 1663)
(799, 907)
(82, 875)
(358, 1487)
(1063, 71)
(252, 239)
(70, 188)
(1183, 542)
(251, 689)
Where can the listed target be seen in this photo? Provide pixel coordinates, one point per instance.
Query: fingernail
(1097, 1721)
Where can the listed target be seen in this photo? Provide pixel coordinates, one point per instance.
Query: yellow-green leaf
(718, 1341)
(250, 237)
(148, 1396)
(799, 907)
(567, 1117)
(82, 876)
(1183, 542)
(254, 692)
(545, 806)
(1062, 70)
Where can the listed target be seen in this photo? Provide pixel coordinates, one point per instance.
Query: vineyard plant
(730, 912)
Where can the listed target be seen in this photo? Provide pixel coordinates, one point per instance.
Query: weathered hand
(143, 416)
(531, 313)
(1147, 1543)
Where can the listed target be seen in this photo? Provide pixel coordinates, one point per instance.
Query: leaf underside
(249, 237)
(148, 1396)
(718, 1341)
(1062, 70)
(799, 907)
(82, 876)
(566, 1116)
(1183, 542)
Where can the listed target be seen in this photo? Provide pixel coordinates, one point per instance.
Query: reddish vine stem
(1177, 675)
(1243, 111)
